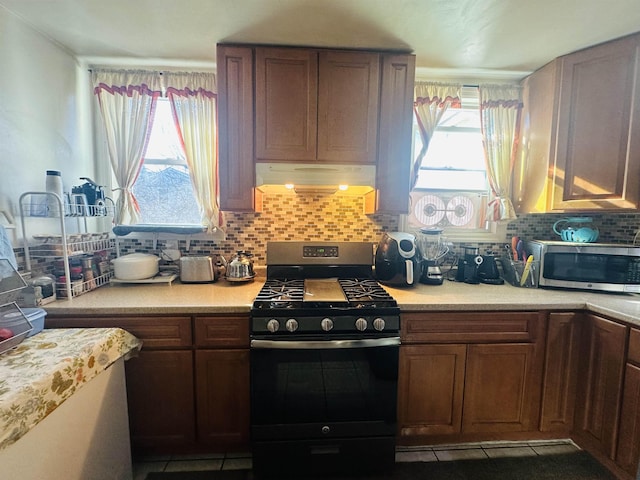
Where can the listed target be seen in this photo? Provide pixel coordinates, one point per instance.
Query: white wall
(44, 114)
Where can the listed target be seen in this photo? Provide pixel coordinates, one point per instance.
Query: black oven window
(311, 386)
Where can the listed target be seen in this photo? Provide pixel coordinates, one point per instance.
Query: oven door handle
(325, 344)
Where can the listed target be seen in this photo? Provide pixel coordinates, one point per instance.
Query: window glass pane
(163, 188)
(452, 187)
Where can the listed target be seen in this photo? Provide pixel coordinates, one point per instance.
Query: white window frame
(495, 231)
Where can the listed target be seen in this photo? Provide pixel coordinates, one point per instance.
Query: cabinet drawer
(154, 331)
(473, 327)
(223, 331)
(634, 346)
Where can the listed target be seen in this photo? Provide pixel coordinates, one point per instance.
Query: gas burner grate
(289, 294)
(365, 290)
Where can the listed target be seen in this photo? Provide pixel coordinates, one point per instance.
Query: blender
(433, 248)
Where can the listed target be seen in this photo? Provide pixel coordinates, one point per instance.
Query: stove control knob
(378, 324)
(326, 324)
(273, 325)
(291, 325)
(361, 324)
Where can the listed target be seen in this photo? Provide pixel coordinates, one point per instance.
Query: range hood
(316, 176)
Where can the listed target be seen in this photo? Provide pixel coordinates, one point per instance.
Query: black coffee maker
(468, 265)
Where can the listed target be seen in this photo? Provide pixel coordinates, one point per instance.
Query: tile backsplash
(290, 217)
(341, 218)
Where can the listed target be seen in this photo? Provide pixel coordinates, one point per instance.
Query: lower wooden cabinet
(600, 384)
(502, 388)
(222, 382)
(470, 373)
(628, 451)
(562, 358)
(430, 389)
(222, 379)
(161, 401)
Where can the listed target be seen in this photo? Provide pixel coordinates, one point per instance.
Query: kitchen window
(163, 188)
(452, 189)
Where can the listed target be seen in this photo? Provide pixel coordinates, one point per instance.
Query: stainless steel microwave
(587, 266)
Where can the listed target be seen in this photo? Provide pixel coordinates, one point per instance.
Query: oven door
(323, 389)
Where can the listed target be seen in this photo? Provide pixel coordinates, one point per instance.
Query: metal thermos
(53, 184)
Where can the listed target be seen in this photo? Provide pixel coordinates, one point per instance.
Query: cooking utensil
(514, 247)
(240, 267)
(522, 255)
(527, 269)
(135, 266)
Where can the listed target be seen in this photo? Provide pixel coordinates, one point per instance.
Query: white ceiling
(468, 36)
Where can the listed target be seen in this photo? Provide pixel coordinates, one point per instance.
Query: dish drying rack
(64, 246)
(11, 282)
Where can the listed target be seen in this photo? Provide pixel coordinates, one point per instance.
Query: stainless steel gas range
(325, 341)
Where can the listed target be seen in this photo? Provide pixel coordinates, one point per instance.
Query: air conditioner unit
(447, 209)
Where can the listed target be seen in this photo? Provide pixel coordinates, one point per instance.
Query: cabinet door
(600, 384)
(430, 389)
(561, 366)
(235, 128)
(161, 401)
(598, 147)
(532, 175)
(628, 452)
(502, 388)
(286, 104)
(348, 98)
(396, 126)
(222, 379)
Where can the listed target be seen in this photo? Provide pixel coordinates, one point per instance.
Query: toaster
(198, 269)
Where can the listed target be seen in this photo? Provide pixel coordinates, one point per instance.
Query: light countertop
(225, 297)
(43, 371)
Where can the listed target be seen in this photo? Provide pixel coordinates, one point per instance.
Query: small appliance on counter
(586, 266)
(468, 266)
(199, 269)
(488, 271)
(433, 248)
(398, 260)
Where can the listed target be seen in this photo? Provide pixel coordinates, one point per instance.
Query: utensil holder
(513, 270)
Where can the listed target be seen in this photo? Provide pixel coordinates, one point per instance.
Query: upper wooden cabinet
(235, 128)
(314, 105)
(581, 132)
(394, 134)
(286, 104)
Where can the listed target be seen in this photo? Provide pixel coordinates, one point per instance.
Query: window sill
(497, 234)
(166, 232)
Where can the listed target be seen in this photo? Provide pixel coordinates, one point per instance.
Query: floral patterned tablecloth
(43, 371)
